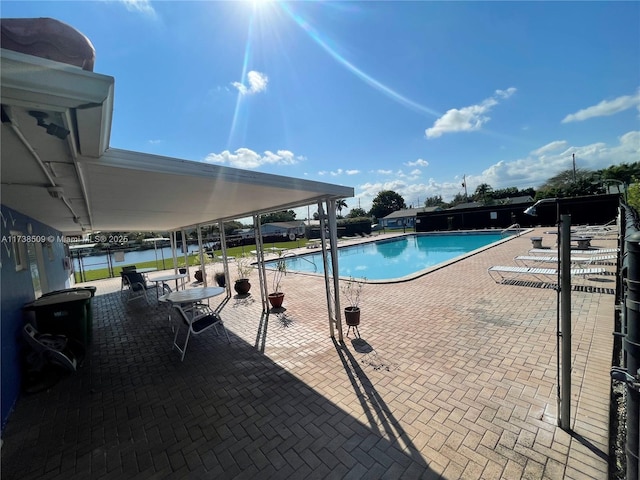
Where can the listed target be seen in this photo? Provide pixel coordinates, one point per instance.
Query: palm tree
(340, 204)
(483, 192)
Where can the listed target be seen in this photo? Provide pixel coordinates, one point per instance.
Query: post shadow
(376, 407)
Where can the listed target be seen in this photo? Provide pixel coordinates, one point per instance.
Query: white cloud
(467, 118)
(544, 163)
(142, 6)
(549, 147)
(530, 171)
(384, 172)
(246, 158)
(257, 83)
(506, 93)
(338, 172)
(605, 108)
(418, 163)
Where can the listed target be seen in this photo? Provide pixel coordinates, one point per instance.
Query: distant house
(405, 218)
(515, 200)
(293, 229)
(462, 206)
(288, 230)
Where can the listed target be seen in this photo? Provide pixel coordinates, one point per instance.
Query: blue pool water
(395, 258)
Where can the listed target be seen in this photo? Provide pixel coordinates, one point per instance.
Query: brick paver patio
(454, 377)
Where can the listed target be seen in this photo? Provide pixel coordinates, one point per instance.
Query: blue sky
(407, 96)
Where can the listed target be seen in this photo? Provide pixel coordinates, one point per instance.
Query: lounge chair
(500, 273)
(585, 260)
(594, 251)
(609, 228)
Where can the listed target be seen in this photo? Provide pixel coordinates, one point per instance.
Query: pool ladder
(515, 226)
(302, 257)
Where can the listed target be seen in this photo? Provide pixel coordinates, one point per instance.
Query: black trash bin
(65, 312)
(90, 289)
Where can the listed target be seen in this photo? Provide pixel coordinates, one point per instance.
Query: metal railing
(515, 226)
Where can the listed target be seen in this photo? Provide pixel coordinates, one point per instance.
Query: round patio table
(193, 295)
(168, 278)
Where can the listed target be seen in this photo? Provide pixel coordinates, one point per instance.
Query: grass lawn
(193, 260)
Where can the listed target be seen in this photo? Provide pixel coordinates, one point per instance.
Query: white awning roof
(78, 183)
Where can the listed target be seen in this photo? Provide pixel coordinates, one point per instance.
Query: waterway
(96, 262)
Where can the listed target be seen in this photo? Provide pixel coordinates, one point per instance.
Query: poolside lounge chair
(500, 273)
(584, 260)
(594, 251)
(609, 228)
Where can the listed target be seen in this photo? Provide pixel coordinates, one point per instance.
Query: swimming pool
(398, 258)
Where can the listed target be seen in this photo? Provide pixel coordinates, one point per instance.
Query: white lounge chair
(525, 260)
(595, 251)
(500, 273)
(598, 230)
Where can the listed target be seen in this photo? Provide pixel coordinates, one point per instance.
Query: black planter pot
(242, 286)
(352, 316)
(220, 280)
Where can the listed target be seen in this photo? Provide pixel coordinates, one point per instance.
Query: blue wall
(17, 289)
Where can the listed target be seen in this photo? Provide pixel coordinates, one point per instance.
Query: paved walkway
(454, 377)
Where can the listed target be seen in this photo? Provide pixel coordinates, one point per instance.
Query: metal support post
(565, 323)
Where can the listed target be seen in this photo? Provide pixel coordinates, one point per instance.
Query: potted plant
(276, 297)
(351, 291)
(242, 285)
(221, 280)
(201, 274)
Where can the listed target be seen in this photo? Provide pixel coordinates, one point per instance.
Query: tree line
(568, 183)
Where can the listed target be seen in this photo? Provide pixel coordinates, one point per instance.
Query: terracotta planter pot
(352, 316)
(242, 286)
(276, 299)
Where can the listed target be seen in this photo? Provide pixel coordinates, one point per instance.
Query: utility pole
(464, 184)
(574, 168)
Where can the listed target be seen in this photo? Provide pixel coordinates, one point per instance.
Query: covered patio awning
(134, 191)
(76, 183)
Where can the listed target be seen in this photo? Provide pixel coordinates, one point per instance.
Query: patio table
(193, 295)
(167, 278)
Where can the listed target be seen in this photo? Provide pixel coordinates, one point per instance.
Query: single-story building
(405, 218)
(289, 230)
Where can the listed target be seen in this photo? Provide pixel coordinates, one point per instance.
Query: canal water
(96, 262)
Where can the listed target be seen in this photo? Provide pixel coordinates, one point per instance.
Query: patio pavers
(454, 377)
